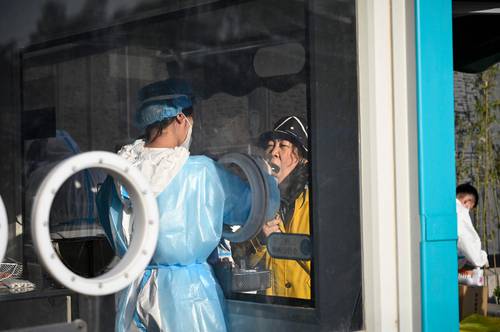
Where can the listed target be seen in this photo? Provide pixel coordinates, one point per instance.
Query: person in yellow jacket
(287, 146)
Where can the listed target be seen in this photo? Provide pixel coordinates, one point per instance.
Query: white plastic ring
(4, 230)
(145, 233)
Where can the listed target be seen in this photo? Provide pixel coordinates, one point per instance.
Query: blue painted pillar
(436, 137)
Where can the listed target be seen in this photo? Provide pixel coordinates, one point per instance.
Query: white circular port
(4, 230)
(146, 226)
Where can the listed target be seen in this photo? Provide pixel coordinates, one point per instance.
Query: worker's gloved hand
(271, 226)
(265, 164)
(273, 169)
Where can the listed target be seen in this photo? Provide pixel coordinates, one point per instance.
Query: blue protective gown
(179, 281)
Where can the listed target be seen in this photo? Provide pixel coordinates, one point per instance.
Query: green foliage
(477, 155)
(496, 291)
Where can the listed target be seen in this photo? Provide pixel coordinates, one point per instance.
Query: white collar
(158, 165)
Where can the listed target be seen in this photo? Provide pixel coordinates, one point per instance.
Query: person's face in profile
(468, 201)
(285, 155)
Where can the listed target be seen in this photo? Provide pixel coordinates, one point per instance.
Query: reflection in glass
(84, 88)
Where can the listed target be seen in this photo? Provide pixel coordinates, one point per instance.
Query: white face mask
(187, 141)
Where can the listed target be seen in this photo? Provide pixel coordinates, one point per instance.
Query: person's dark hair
(154, 130)
(300, 152)
(188, 111)
(467, 189)
(291, 188)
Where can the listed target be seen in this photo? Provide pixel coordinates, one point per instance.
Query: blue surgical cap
(162, 100)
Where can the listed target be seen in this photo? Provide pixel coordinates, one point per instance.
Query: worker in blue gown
(195, 196)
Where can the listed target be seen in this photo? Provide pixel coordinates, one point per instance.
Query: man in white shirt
(469, 243)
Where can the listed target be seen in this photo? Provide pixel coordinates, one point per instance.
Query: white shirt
(469, 243)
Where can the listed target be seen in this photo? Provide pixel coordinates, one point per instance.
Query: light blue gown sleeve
(238, 197)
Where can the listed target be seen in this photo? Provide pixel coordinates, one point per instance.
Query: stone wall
(94, 99)
(467, 92)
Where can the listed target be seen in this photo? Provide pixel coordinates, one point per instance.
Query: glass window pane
(247, 67)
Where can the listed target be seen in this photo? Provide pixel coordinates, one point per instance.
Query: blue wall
(436, 135)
